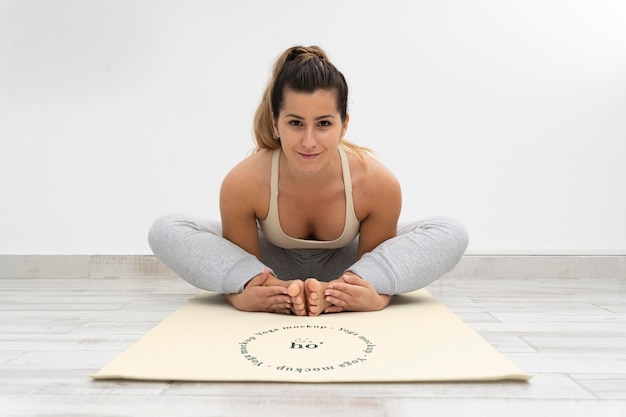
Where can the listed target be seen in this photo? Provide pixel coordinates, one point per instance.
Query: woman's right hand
(256, 296)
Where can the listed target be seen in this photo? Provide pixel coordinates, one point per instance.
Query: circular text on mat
(306, 348)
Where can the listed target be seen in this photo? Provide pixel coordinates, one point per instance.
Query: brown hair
(301, 69)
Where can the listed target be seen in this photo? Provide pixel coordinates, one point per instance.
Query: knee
(173, 228)
(448, 231)
(160, 230)
(456, 231)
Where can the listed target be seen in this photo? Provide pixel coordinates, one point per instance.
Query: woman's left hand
(353, 293)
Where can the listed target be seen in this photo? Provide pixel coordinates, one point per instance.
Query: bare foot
(315, 296)
(297, 294)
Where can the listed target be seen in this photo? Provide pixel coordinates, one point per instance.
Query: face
(310, 126)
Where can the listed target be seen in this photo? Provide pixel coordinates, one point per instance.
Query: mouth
(308, 155)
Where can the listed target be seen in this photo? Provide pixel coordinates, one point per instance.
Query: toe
(294, 289)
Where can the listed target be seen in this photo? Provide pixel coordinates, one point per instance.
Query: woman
(309, 222)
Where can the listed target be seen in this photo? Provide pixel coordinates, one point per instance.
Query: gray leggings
(195, 249)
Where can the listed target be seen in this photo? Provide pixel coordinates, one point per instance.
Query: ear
(345, 125)
(274, 125)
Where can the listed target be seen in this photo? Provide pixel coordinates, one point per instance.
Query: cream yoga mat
(416, 338)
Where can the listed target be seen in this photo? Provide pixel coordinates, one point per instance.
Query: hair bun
(304, 52)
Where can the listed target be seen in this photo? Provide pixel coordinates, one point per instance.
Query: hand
(353, 293)
(257, 296)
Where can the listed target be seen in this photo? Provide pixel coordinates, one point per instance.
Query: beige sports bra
(271, 224)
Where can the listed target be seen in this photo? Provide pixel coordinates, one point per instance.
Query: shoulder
(248, 180)
(373, 183)
(370, 174)
(255, 168)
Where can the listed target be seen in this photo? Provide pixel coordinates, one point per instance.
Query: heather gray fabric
(421, 253)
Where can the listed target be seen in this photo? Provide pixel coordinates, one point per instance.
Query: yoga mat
(416, 338)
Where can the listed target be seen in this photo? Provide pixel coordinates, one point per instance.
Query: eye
(325, 123)
(295, 122)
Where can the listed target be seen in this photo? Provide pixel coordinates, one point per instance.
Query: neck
(314, 180)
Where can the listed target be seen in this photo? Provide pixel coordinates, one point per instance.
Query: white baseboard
(470, 266)
(541, 266)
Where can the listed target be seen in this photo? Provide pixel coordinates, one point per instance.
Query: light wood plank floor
(571, 333)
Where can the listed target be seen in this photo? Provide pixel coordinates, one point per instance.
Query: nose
(309, 140)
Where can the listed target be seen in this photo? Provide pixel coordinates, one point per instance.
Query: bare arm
(240, 201)
(382, 201)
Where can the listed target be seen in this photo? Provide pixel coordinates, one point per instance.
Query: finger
(335, 301)
(349, 282)
(354, 280)
(280, 299)
(333, 309)
(273, 290)
(334, 293)
(265, 275)
(342, 290)
(258, 280)
(283, 307)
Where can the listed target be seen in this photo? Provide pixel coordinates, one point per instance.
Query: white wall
(509, 115)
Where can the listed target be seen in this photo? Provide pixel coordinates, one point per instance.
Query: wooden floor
(571, 333)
